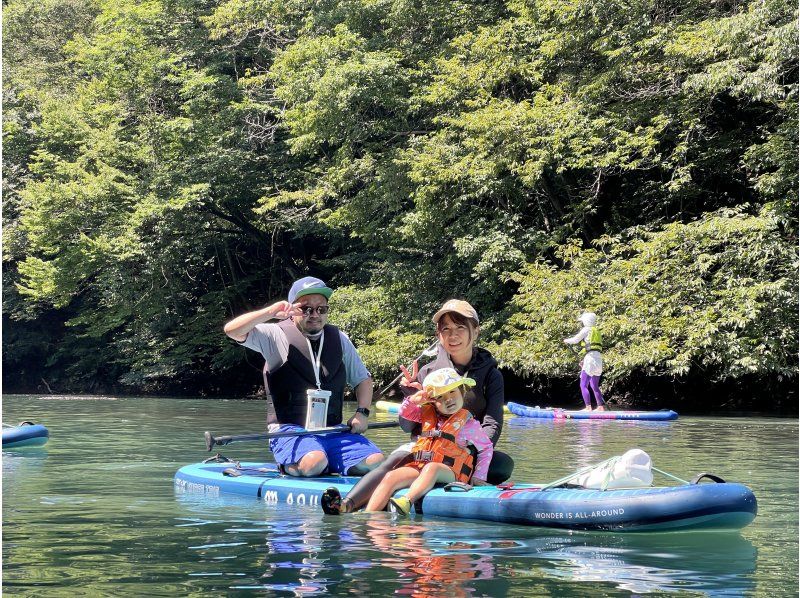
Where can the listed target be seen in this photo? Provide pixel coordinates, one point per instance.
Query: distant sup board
(387, 406)
(390, 407)
(556, 413)
(25, 434)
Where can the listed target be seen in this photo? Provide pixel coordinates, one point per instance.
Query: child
(448, 430)
(592, 363)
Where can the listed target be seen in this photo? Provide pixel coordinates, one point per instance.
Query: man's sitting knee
(312, 465)
(309, 471)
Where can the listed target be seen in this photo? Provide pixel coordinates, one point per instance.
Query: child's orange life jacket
(439, 444)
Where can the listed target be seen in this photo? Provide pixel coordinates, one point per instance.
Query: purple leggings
(594, 382)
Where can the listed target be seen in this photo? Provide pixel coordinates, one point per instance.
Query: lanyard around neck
(316, 360)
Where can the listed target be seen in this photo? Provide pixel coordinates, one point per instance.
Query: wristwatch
(363, 410)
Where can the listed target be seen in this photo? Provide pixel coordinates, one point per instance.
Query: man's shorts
(344, 450)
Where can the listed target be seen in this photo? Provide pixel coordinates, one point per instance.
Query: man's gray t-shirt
(271, 342)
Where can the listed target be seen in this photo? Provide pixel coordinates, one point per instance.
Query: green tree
(171, 164)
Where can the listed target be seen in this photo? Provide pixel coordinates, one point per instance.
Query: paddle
(211, 441)
(223, 440)
(429, 352)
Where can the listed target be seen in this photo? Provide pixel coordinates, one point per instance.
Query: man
(303, 352)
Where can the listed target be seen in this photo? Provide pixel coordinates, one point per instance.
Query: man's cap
(588, 318)
(308, 286)
(444, 380)
(457, 306)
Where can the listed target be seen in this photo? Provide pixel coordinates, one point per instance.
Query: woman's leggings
(594, 382)
(360, 493)
(499, 471)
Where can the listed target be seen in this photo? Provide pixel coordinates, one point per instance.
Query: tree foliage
(717, 294)
(170, 164)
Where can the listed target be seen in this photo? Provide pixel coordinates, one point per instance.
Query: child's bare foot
(600, 408)
(587, 408)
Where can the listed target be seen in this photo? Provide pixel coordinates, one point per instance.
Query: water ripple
(96, 514)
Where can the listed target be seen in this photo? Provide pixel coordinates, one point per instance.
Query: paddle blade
(432, 351)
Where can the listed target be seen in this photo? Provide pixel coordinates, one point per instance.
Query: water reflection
(699, 562)
(423, 570)
(712, 563)
(304, 553)
(23, 461)
(96, 514)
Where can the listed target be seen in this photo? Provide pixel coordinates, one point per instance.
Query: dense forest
(169, 164)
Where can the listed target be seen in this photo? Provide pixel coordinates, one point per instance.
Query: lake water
(94, 512)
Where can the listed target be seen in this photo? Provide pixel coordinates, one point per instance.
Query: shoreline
(732, 413)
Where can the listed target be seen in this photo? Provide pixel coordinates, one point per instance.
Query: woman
(592, 362)
(457, 327)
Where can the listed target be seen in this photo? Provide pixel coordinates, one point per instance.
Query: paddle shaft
(211, 441)
(396, 380)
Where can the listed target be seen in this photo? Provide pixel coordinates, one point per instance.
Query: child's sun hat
(444, 380)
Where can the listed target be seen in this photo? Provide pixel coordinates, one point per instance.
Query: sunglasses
(320, 309)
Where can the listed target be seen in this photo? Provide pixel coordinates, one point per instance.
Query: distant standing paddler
(592, 364)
